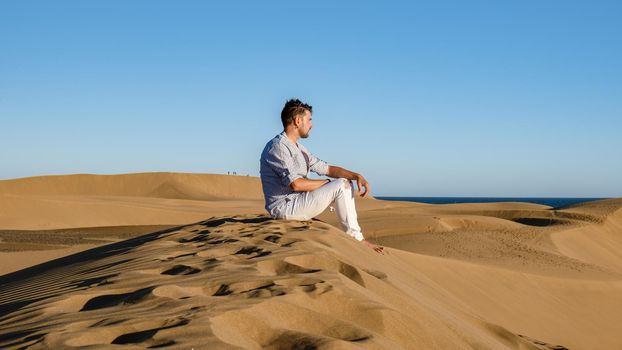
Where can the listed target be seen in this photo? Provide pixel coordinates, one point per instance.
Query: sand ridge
(519, 236)
(459, 276)
(158, 185)
(85, 200)
(234, 282)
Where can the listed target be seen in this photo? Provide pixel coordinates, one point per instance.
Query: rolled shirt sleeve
(316, 165)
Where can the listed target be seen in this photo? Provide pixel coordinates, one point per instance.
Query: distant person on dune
(290, 194)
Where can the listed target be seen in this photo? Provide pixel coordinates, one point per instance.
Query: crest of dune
(156, 185)
(84, 200)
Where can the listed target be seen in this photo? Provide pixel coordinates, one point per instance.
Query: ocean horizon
(555, 202)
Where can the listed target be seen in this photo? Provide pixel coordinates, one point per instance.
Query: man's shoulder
(274, 145)
(274, 142)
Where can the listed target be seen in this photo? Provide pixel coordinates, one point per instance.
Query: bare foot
(376, 248)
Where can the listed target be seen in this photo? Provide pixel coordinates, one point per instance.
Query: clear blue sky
(436, 98)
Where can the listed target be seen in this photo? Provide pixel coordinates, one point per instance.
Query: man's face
(305, 124)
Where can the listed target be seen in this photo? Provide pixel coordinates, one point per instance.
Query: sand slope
(460, 276)
(251, 282)
(158, 185)
(240, 282)
(51, 202)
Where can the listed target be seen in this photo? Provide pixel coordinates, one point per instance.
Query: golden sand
(460, 276)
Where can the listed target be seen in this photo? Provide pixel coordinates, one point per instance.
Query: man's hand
(360, 183)
(339, 172)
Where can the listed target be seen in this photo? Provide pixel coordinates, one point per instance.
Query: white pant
(307, 205)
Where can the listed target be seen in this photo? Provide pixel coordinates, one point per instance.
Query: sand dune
(52, 202)
(601, 245)
(460, 276)
(246, 282)
(157, 185)
(35, 207)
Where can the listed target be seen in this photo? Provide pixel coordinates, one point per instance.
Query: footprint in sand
(181, 270)
(273, 238)
(378, 274)
(281, 267)
(220, 241)
(122, 333)
(328, 263)
(110, 300)
(258, 252)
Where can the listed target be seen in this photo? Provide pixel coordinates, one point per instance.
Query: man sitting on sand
(289, 194)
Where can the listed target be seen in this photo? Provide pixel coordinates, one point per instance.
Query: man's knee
(343, 188)
(346, 183)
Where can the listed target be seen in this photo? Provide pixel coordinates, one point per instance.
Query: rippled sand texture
(467, 276)
(226, 282)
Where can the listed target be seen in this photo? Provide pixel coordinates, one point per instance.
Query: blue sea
(552, 202)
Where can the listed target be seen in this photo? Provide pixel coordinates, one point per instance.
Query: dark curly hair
(292, 108)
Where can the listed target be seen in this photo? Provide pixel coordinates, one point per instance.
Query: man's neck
(292, 135)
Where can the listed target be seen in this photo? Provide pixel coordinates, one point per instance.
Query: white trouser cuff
(357, 235)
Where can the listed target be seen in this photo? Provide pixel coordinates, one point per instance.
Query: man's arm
(337, 172)
(306, 185)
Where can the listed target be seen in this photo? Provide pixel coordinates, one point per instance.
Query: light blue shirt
(281, 163)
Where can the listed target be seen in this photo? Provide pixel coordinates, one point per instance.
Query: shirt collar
(284, 136)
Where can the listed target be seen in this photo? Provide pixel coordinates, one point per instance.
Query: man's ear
(298, 119)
